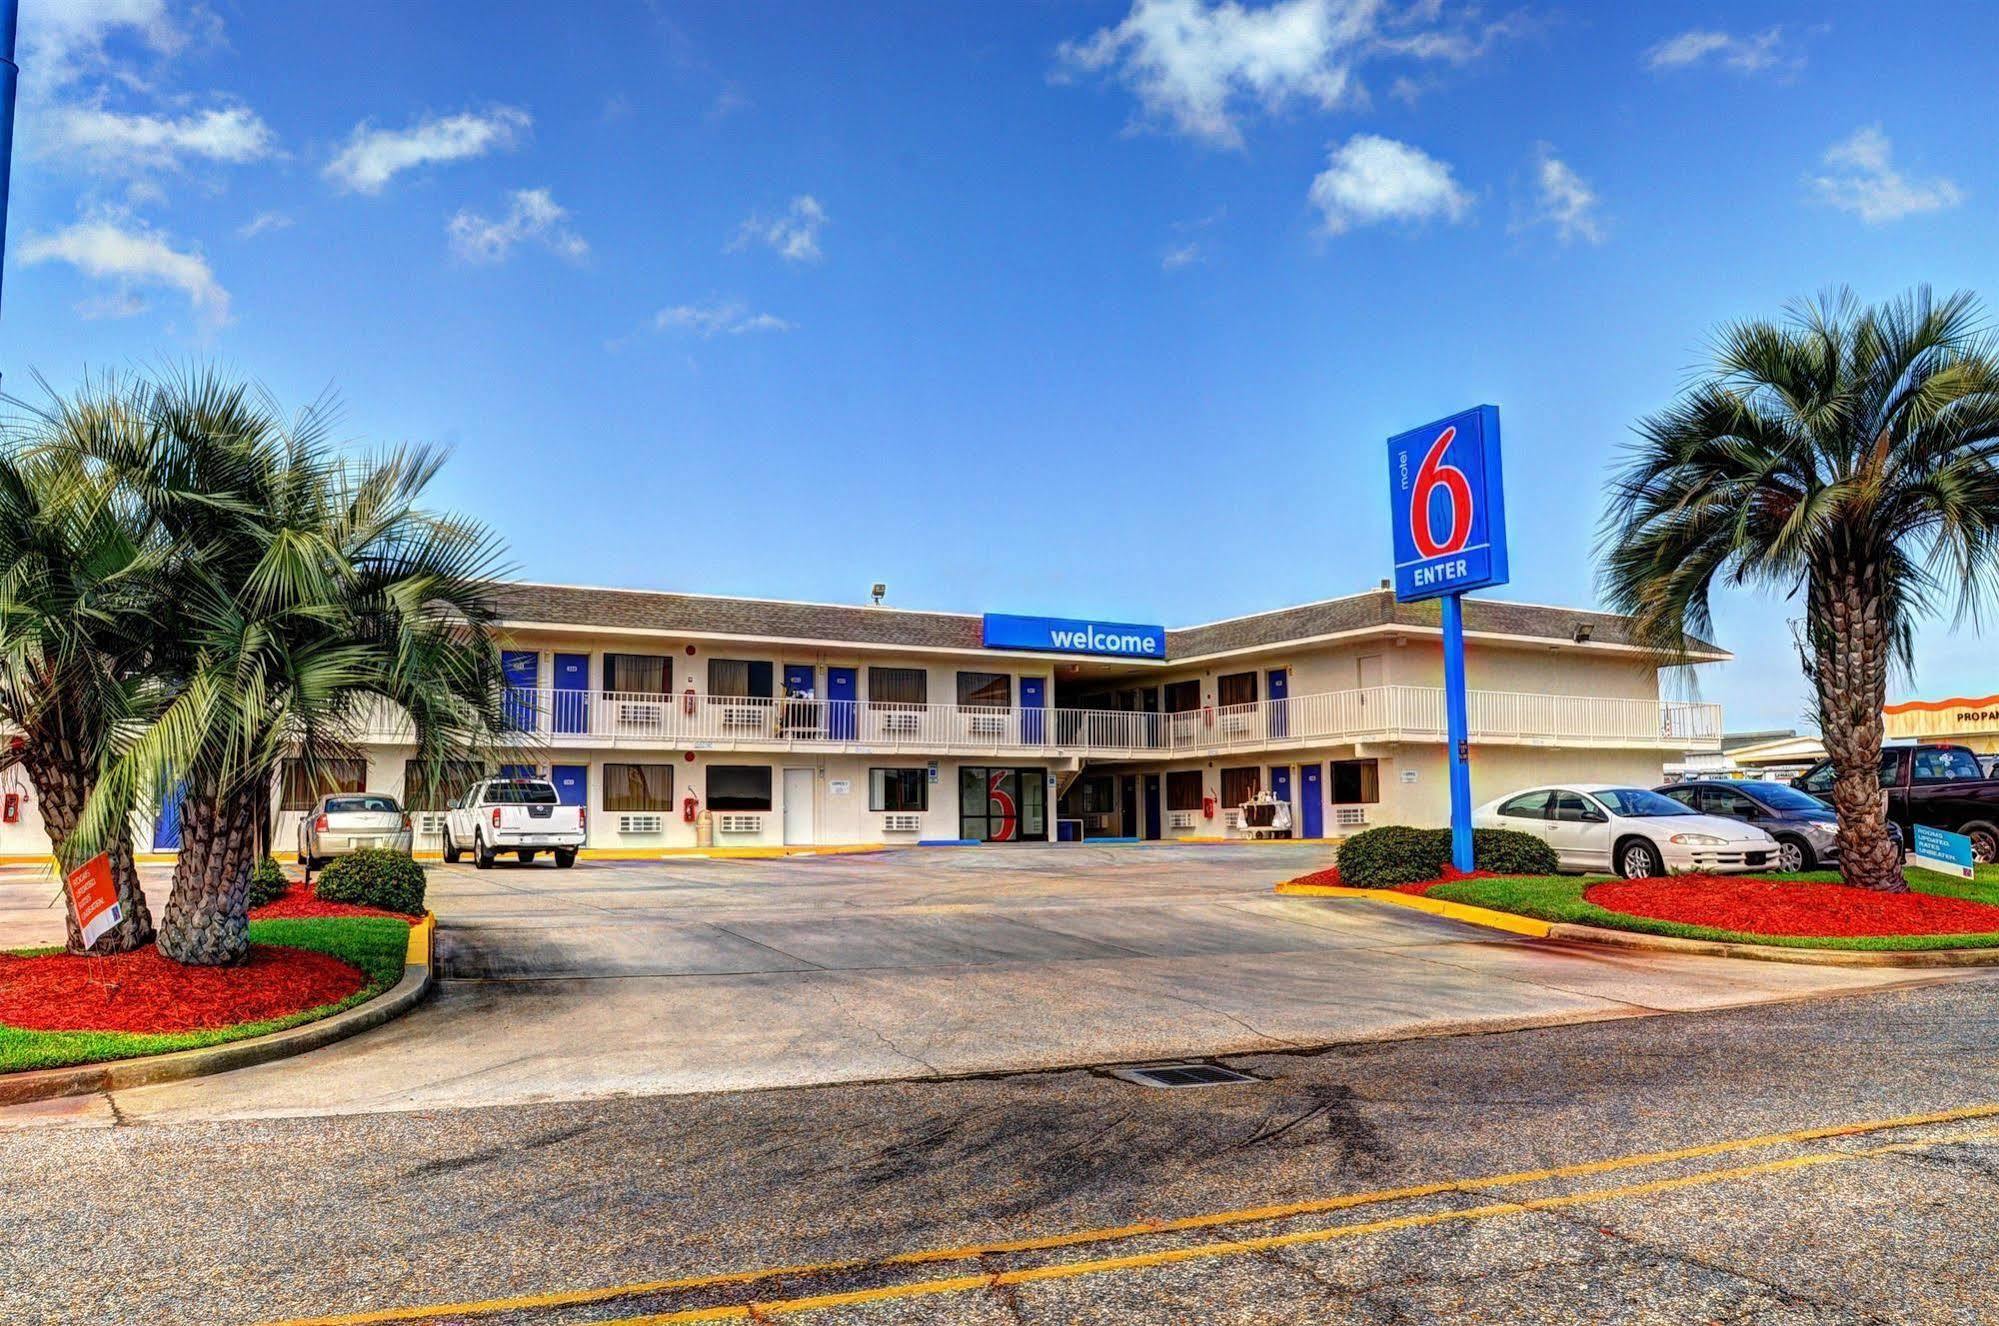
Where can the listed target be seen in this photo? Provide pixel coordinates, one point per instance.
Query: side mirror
(1594, 816)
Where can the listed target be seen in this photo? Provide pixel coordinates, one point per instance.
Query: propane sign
(1447, 506)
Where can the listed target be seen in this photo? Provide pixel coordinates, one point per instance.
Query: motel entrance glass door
(1002, 805)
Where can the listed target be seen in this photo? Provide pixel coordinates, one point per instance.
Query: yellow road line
(1237, 1247)
(1211, 1220)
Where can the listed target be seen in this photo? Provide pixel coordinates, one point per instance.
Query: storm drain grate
(1183, 1075)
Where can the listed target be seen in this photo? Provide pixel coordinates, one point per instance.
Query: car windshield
(368, 805)
(1639, 803)
(520, 794)
(1787, 800)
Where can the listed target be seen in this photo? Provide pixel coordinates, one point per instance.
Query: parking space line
(1182, 1224)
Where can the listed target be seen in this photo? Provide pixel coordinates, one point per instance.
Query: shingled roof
(654, 610)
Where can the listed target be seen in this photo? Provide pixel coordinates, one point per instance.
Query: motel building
(684, 721)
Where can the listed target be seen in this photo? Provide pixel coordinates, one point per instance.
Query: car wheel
(451, 852)
(1984, 843)
(482, 856)
(1638, 859)
(1794, 855)
(565, 857)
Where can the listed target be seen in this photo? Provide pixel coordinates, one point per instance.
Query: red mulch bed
(1774, 907)
(1331, 876)
(299, 901)
(144, 992)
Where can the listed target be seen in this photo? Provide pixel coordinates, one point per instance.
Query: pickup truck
(1944, 787)
(519, 815)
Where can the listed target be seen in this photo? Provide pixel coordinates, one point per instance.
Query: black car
(1804, 826)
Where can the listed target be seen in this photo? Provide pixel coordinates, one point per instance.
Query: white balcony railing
(1378, 713)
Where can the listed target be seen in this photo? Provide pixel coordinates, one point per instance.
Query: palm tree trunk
(1852, 650)
(207, 920)
(63, 786)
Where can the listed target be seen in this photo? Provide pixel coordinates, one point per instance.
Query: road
(251, 1220)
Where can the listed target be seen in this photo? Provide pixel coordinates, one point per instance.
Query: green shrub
(267, 882)
(1397, 854)
(375, 877)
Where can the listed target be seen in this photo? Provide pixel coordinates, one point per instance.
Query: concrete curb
(1570, 932)
(118, 1074)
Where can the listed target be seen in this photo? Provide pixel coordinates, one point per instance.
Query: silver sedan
(343, 822)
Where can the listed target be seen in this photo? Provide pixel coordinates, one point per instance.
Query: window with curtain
(1236, 688)
(1099, 795)
(739, 787)
(302, 787)
(1182, 696)
(1239, 785)
(898, 789)
(898, 686)
(453, 777)
(638, 787)
(986, 690)
(739, 679)
(1356, 782)
(638, 674)
(1183, 790)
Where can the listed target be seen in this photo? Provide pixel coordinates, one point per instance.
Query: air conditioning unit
(987, 725)
(739, 824)
(1180, 819)
(898, 725)
(901, 822)
(647, 823)
(1235, 725)
(744, 717)
(429, 823)
(1232, 818)
(1097, 822)
(1350, 817)
(647, 715)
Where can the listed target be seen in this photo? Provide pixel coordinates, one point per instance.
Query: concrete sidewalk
(690, 976)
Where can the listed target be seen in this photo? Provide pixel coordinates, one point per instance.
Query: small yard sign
(95, 898)
(1945, 853)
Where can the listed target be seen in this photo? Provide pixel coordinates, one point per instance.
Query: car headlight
(1698, 840)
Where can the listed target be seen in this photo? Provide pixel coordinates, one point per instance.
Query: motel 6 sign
(1447, 506)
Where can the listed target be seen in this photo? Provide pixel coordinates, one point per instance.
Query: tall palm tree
(1847, 454)
(314, 599)
(79, 583)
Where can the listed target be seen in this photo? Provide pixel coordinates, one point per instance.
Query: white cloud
(729, 317)
(794, 235)
(532, 214)
(231, 135)
(1746, 55)
(1862, 179)
(1193, 64)
(263, 222)
(1564, 200)
(132, 254)
(1182, 255)
(374, 156)
(63, 41)
(1372, 179)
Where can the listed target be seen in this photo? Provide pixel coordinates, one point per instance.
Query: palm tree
(314, 598)
(1849, 454)
(79, 581)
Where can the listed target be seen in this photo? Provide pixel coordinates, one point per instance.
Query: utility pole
(10, 79)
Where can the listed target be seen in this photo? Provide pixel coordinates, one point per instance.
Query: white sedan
(343, 822)
(1630, 831)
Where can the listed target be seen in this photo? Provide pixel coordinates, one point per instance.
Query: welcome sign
(1062, 635)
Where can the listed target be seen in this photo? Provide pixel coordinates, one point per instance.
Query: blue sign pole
(10, 75)
(1457, 731)
(1447, 507)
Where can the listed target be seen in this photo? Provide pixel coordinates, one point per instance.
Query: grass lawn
(376, 945)
(1560, 898)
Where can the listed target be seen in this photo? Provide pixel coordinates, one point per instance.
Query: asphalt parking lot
(682, 976)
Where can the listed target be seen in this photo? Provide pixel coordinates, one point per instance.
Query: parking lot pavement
(691, 976)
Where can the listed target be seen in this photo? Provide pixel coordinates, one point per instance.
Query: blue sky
(1085, 309)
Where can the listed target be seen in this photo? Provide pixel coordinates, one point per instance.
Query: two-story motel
(683, 720)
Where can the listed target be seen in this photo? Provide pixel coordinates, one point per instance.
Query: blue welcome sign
(1447, 506)
(1061, 635)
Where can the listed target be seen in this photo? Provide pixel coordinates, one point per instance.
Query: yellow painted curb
(1455, 911)
(1210, 841)
(423, 939)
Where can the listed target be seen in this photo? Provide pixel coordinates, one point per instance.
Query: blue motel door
(571, 783)
(1033, 723)
(572, 692)
(1312, 802)
(840, 724)
(520, 670)
(1280, 703)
